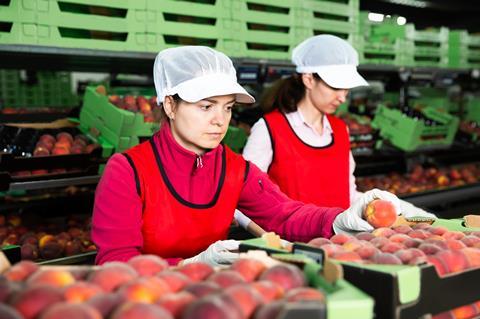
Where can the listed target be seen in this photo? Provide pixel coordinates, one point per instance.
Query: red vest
(173, 227)
(318, 175)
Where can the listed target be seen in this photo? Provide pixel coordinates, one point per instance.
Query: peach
(212, 307)
(399, 238)
(80, 291)
(51, 250)
(455, 244)
(245, 297)
(419, 234)
(473, 257)
(44, 239)
(33, 300)
(105, 303)
(60, 150)
(442, 244)
(45, 144)
(248, 268)
(340, 239)
(140, 310)
(402, 229)
(352, 245)
(21, 271)
(366, 252)
(176, 303)
(453, 235)
(417, 252)
(331, 249)
(64, 136)
(269, 290)
(226, 278)
(286, 275)
(386, 258)
(365, 236)
(203, 288)
(29, 252)
(112, 275)
(7, 312)
(429, 249)
(383, 232)
(41, 151)
(148, 265)
(8, 289)
(144, 289)
(440, 266)
(77, 149)
(437, 230)
(47, 138)
(51, 277)
(421, 226)
(465, 312)
(196, 271)
(379, 242)
(11, 239)
(72, 247)
(347, 256)
(175, 280)
(319, 242)
(392, 247)
(470, 240)
(72, 311)
(380, 213)
(404, 255)
(454, 260)
(305, 294)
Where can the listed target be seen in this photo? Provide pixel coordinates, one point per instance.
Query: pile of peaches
(136, 104)
(45, 242)
(422, 179)
(62, 144)
(145, 287)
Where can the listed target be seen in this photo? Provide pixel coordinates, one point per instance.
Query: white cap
(196, 73)
(332, 58)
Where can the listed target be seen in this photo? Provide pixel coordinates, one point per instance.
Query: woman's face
(323, 97)
(200, 126)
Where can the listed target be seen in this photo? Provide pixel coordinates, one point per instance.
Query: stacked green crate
(51, 89)
(473, 110)
(381, 42)
(172, 23)
(266, 28)
(410, 134)
(18, 22)
(427, 48)
(121, 128)
(464, 49)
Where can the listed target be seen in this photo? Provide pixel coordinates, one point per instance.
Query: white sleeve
(354, 194)
(258, 149)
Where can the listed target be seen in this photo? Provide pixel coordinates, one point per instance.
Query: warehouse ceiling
(454, 14)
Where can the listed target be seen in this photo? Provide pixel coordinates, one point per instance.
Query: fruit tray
(404, 290)
(343, 299)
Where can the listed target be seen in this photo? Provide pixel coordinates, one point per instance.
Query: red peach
(379, 242)
(202, 289)
(249, 269)
(365, 236)
(7, 312)
(429, 249)
(245, 297)
(454, 244)
(226, 278)
(473, 257)
(453, 235)
(80, 291)
(367, 252)
(112, 275)
(176, 303)
(288, 276)
(340, 239)
(72, 311)
(213, 307)
(392, 247)
(404, 255)
(347, 256)
(34, 299)
(305, 294)
(269, 290)
(421, 226)
(352, 245)
(437, 230)
(383, 232)
(196, 271)
(387, 259)
(64, 136)
(470, 240)
(402, 229)
(319, 242)
(331, 249)
(105, 303)
(51, 277)
(454, 260)
(21, 271)
(144, 289)
(140, 310)
(148, 265)
(47, 138)
(419, 233)
(380, 213)
(399, 238)
(175, 280)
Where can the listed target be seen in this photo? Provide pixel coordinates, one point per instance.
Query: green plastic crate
(427, 35)
(409, 134)
(381, 53)
(106, 115)
(171, 23)
(236, 138)
(464, 49)
(473, 110)
(17, 32)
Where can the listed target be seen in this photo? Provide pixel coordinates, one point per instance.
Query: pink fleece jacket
(117, 213)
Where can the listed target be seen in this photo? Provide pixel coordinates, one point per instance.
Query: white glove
(216, 254)
(241, 219)
(409, 210)
(351, 220)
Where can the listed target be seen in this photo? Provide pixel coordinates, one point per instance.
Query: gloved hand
(351, 220)
(217, 253)
(409, 210)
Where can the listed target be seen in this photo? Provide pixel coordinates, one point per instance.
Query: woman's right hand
(351, 220)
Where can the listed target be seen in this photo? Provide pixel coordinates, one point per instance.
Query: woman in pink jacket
(175, 194)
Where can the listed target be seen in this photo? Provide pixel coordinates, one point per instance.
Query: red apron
(318, 175)
(173, 227)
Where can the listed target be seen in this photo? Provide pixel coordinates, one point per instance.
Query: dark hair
(285, 94)
(163, 116)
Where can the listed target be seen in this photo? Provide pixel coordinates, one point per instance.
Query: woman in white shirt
(302, 146)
